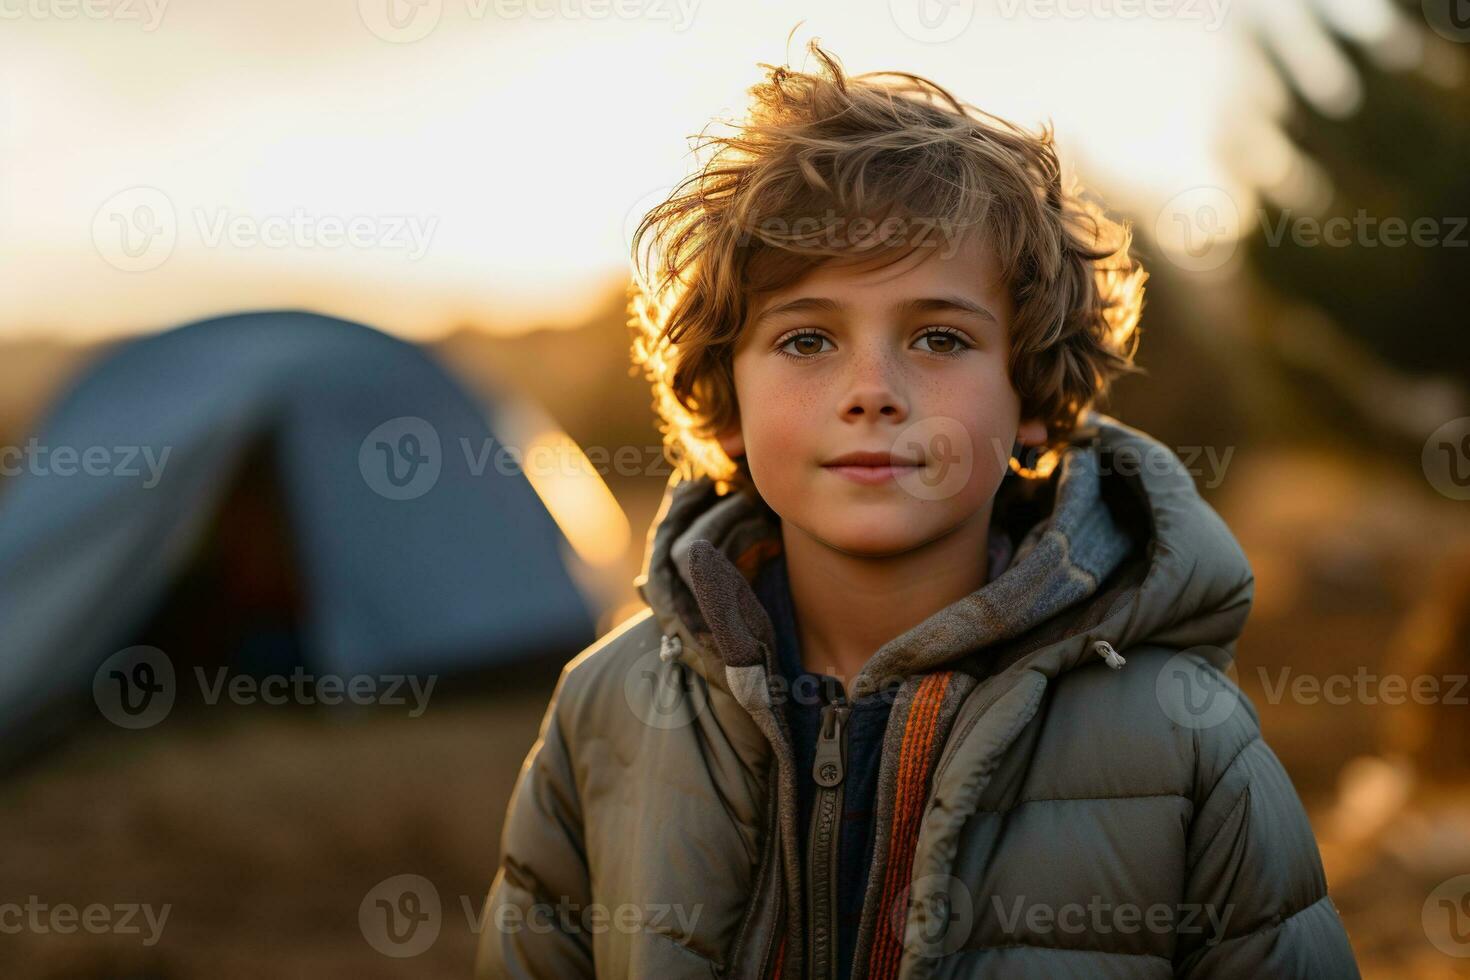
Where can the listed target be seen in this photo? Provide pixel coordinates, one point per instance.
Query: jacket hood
(1116, 548)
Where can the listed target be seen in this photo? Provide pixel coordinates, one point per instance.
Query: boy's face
(910, 360)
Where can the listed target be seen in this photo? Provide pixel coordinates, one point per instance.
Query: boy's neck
(848, 606)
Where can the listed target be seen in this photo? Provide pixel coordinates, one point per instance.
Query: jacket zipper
(828, 770)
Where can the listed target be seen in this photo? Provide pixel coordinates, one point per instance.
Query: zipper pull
(1111, 657)
(827, 767)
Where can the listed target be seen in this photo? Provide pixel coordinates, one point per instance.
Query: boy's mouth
(870, 468)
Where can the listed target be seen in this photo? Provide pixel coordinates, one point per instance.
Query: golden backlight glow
(577, 498)
(498, 156)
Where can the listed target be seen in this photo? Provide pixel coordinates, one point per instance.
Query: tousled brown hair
(828, 166)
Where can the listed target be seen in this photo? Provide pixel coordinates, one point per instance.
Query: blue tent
(412, 559)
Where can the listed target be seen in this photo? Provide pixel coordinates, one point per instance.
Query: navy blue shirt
(806, 693)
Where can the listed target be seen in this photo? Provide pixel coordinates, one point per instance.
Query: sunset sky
(424, 163)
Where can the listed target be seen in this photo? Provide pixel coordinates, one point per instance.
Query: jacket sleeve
(1255, 893)
(543, 868)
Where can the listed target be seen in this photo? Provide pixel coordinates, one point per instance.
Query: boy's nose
(874, 384)
(873, 402)
(874, 399)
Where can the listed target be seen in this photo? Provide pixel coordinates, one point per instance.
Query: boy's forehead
(965, 267)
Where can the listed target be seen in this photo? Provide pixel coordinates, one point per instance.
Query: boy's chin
(875, 531)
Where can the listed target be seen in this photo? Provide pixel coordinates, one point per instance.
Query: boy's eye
(948, 342)
(808, 344)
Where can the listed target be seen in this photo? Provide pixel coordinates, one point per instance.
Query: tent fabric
(468, 573)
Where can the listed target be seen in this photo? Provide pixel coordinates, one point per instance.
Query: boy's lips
(870, 468)
(871, 458)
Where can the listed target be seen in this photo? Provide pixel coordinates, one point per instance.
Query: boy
(902, 706)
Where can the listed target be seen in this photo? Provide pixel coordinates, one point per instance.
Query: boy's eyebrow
(927, 304)
(943, 304)
(806, 304)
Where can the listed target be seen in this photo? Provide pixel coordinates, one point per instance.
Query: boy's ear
(732, 441)
(1032, 432)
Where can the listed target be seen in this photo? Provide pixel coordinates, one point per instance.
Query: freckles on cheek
(774, 425)
(775, 406)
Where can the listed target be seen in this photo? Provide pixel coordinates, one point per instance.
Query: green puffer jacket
(1071, 784)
